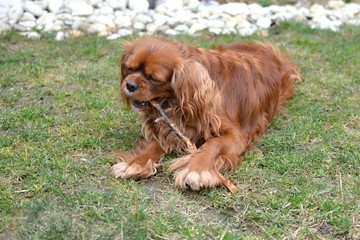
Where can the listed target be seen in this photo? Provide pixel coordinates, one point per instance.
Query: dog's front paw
(190, 172)
(196, 180)
(126, 170)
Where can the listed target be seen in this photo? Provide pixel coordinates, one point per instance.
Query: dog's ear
(125, 51)
(192, 84)
(196, 93)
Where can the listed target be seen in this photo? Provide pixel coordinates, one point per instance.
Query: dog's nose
(132, 86)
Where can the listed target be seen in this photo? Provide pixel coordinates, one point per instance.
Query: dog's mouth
(141, 105)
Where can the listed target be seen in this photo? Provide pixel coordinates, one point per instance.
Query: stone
(335, 4)
(263, 22)
(15, 13)
(33, 8)
(234, 9)
(245, 28)
(181, 28)
(33, 36)
(215, 24)
(55, 5)
(103, 19)
(123, 21)
(143, 18)
(171, 32)
(215, 31)
(106, 10)
(160, 19)
(139, 26)
(117, 4)
(80, 8)
(151, 28)
(113, 36)
(138, 5)
(4, 26)
(46, 19)
(197, 27)
(125, 32)
(172, 5)
(60, 36)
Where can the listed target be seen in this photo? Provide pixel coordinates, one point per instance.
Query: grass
(60, 121)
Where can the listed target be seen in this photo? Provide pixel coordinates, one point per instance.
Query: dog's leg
(200, 169)
(142, 164)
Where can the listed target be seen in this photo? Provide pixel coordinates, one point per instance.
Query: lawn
(61, 120)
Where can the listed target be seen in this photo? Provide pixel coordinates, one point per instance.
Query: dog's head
(157, 69)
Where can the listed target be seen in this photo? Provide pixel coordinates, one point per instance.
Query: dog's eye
(150, 77)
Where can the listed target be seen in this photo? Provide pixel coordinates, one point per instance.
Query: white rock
(171, 32)
(263, 22)
(28, 25)
(55, 5)
(215, 31)
(352, 8)
(323, 22)
(105, 10)
(172, 5)
(275, 8)
(45, 19)
(139, 26)
(113, 36)
(4, 26)
(33, 36)
(235, 8)
(60, 36)
(143, 18)
(151, 28)
(123, 21)
(33, 8)
(103, 19)
(95, 3)
(27, 17)
(231, 23)
(15, 13)
(197, 27)
(4, 12)
(77, 21)
(42, 3)
(335, 4)
(160, 19)
(181, 28)
(245, 28)
(97, 28)
(215, 24)
(138, 5)
(117, 4)
(80, 8)
(125, 32)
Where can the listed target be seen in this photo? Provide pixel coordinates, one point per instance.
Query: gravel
(117, 18)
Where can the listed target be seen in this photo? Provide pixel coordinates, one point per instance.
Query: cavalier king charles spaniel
(221, 98)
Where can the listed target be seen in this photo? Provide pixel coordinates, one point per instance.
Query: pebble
(114, 19)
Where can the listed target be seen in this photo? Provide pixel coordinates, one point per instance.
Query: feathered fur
(222, 98)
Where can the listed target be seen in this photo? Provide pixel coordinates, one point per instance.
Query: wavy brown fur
(222, 98)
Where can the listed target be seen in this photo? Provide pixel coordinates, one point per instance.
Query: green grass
(60, 121)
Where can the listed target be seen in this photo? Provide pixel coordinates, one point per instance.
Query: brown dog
(221, 98)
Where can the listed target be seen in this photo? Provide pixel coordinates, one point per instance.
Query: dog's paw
(126, 170)
(196, 180)
(189, 172)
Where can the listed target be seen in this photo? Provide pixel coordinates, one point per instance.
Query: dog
(222, 98)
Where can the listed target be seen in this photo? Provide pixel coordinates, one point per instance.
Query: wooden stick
(172, 125)
(190, 146)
